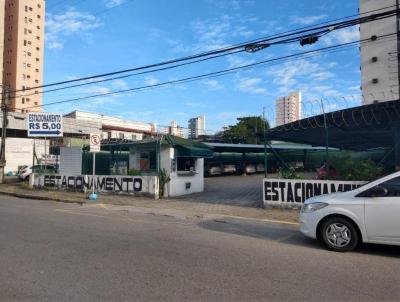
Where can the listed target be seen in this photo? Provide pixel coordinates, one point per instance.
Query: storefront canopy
(185, 148)
(188, 148)
(359, 128)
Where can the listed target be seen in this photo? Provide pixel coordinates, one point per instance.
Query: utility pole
(265, 145)
(4, 109)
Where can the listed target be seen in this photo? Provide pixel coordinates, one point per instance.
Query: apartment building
(288, 108)
(2, 6)
(380, 55)
(197, 126)
(24, 22)
(175, 129)
(116, 128)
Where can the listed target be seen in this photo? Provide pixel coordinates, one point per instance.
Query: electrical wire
(269, 40)
(200, 77)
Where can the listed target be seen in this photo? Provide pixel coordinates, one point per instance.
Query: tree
(248, 130)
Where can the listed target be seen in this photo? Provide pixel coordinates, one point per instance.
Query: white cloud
(307, 20)
(194, 104)
(212, 85)
(70, 22)
(322, 75)
(237, 61)
(341, 36)
(119, 84)
(113, 3)
(250, 85)
(150, 81)
(287, 76)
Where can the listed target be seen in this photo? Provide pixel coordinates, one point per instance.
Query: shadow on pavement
(274, 232)
(288, 235)
(379, 250)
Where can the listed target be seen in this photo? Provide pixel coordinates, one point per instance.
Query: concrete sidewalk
(178, 207)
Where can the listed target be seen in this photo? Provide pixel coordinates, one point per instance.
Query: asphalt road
(65, 252)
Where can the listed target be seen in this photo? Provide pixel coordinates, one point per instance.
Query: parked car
(229, 169)
(260, 168)
(250, 169)
(214, 170)
(27, 171)
(368, 214)
(321, 172)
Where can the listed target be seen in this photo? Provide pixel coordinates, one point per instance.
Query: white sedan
(370, 214)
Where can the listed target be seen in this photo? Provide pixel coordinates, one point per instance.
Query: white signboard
(95, 141)
(296, 191)
(45, 124)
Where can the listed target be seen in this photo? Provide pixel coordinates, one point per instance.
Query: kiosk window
(186, 163)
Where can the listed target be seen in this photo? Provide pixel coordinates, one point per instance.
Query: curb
(211, 216)
(35, 197)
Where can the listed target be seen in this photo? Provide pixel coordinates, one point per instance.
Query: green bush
(134, 172)
(351, 169)
(288, 173)
(164, 179)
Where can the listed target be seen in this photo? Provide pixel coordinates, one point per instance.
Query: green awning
(188, 148)
(190, 151)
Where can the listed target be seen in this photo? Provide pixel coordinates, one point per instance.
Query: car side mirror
(377, 191)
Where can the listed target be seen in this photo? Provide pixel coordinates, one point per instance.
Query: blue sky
(89, 37)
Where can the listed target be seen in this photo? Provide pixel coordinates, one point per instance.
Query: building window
(36, 103)
(37, 37)
(23, 101)
(37, 59)
(38, 27)
(38, 16)
(37, 48)
(39, 6)
(37, 70)
(36, 81)
(187, 164)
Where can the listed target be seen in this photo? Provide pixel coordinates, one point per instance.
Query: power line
(204, 76)
(153, 70)
(300, 33)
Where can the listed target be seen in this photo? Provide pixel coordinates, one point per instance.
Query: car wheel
(339, 234)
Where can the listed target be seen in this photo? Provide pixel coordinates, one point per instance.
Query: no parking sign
(95, 142)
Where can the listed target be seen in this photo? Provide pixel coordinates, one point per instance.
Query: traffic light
(308, 40)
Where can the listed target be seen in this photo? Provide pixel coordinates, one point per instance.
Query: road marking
(262, 220)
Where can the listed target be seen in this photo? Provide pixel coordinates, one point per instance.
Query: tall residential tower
(23, 52)
(380, 55)
(197, 126)
(288, 108)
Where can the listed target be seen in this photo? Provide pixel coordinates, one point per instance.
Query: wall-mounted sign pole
(94, 170)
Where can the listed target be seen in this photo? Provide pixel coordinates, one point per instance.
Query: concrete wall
(289, 193)
(19, 152)
(118, 184)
